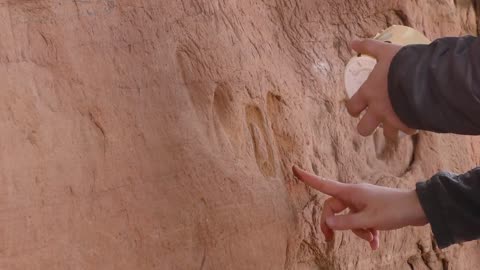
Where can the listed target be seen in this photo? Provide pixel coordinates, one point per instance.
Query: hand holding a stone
(372, 97)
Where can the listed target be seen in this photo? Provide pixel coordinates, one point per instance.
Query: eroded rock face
(160, 134)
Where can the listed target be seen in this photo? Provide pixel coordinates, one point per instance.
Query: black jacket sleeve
(436, 87)
(452, 206)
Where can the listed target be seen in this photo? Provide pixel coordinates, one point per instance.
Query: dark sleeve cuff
(432, 208)
(398, 79)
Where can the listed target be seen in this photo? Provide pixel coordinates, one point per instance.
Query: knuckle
(367, 42)
(362, 131)
(371, 44)
(328, 202)
(351, 110)
(348, 105)
(354, 106)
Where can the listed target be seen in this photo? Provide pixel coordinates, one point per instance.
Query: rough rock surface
(155, 134)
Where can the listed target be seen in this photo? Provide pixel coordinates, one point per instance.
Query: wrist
(418, 217)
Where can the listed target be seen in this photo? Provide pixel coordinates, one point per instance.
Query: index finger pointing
(326, 186)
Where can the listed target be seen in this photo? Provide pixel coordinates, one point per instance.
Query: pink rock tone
(160, 134)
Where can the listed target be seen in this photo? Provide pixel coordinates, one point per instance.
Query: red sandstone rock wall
(155, 134)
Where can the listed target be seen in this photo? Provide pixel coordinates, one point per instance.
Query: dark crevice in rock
(440, 255)
(403, 17)
(424, 254)
(414, 152)
(410, 265)
(476, 9)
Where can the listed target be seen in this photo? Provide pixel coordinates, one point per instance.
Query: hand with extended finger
(372, 208)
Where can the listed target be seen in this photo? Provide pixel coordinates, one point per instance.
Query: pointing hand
(372, 208)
